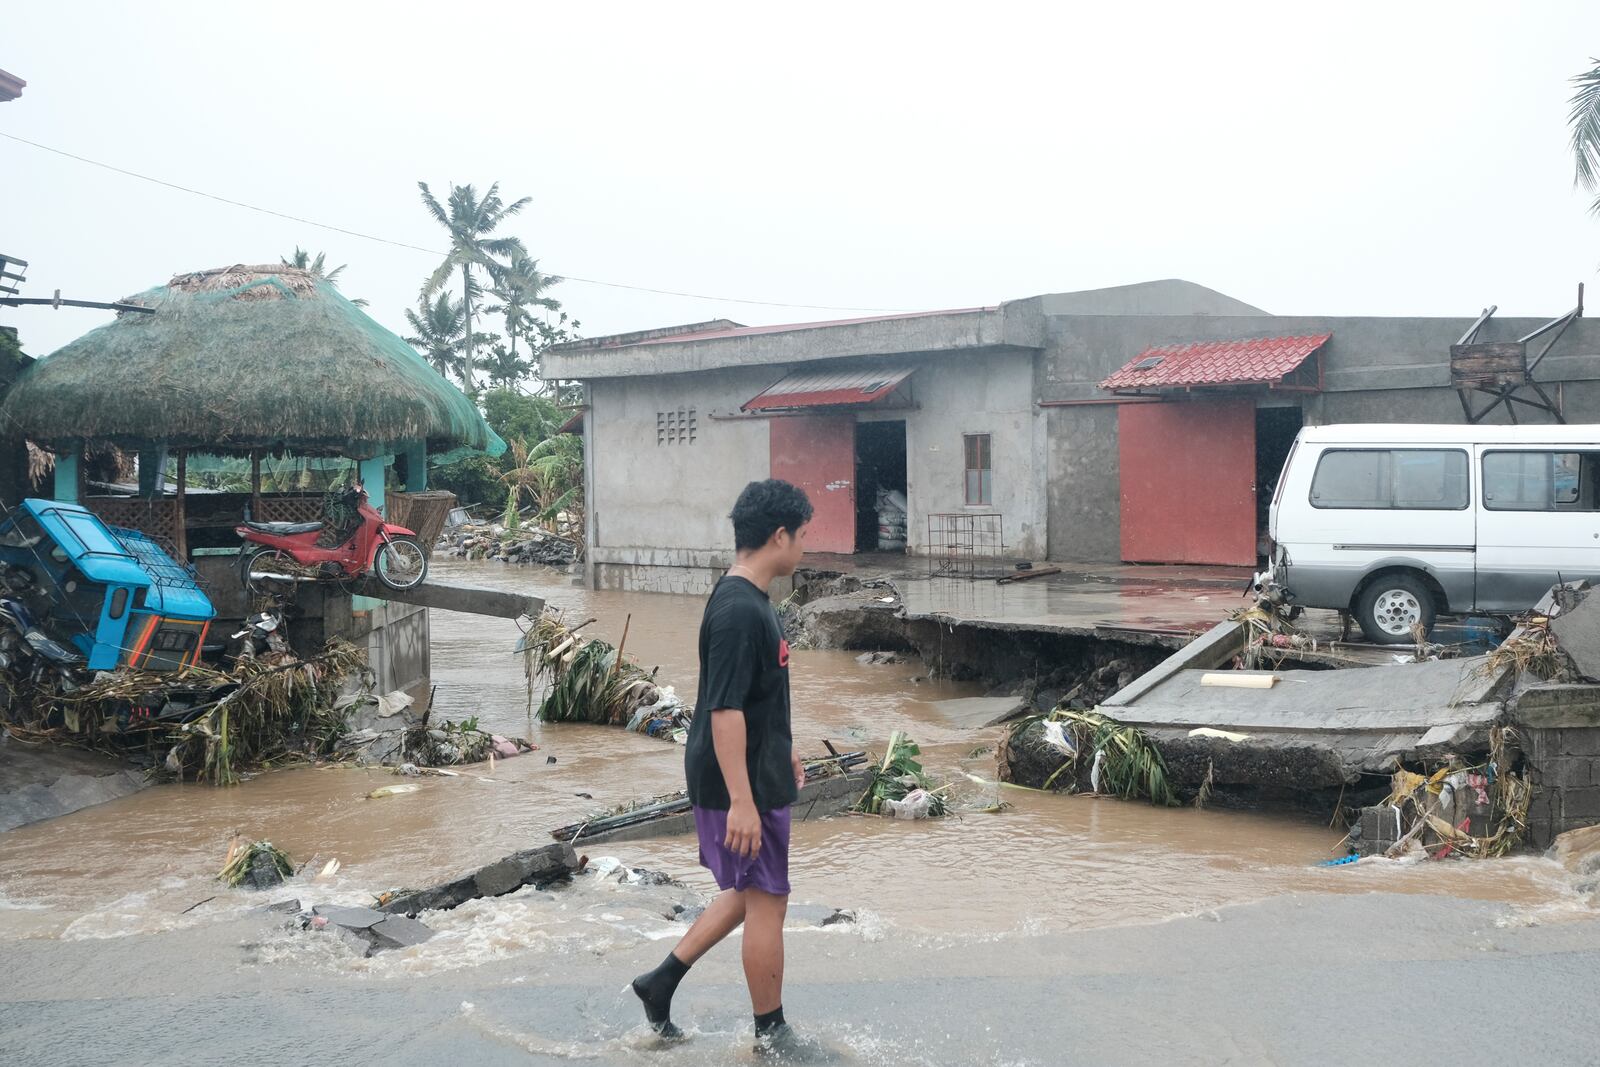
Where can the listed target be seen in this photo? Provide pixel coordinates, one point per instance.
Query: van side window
(1420, 479)
(1541, 481)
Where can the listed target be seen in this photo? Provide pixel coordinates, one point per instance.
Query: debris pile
(1078, 751)
(1473, 809)
(593, 681)
(259, 864)
(201, 724)
(526, 544)
(899, 789)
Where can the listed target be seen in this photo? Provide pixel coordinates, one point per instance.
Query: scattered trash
(392, 791)
(257, 863)
(896, 779)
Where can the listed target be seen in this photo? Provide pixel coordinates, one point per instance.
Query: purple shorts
(767, 870)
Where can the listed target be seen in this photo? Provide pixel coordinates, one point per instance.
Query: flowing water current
(1046, 864)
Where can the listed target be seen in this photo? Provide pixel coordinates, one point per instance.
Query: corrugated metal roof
(1262, 361)
(812, 389)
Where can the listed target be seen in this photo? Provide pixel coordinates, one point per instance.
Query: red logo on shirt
(783, 653)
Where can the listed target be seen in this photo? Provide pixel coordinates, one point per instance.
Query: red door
(1188, 482)
(818, 453)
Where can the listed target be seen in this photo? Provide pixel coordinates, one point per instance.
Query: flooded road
(1048, 863)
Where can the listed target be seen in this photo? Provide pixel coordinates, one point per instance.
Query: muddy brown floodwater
(1048, 863)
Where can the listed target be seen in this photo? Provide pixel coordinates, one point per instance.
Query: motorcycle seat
(282, 529)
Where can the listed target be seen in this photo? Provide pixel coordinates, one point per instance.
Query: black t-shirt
(744, 665)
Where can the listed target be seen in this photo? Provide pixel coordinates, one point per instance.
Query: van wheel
(1391, 605)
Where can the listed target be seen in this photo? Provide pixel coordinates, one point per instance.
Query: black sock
(655, 990)
(770, 1021)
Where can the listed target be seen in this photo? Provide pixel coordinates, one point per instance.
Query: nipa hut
(242, 361)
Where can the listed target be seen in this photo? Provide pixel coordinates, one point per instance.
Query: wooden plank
(1494, 364)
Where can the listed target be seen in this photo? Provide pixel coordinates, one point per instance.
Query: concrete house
(1144, 423)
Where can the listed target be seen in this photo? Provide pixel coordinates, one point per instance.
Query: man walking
(742, 770)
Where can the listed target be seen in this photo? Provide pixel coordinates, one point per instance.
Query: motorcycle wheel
(401, 563)
(263, 561)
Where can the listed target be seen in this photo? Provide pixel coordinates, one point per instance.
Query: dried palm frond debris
(1531, 649)
(899, 786)
(201, 724)
(593, 681)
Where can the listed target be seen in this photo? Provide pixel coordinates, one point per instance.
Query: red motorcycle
(290, 551)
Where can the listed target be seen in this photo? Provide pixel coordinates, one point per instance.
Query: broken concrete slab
(40, 782)
(1577, 630)
(534, 866)
(448, 597)
(372, 928)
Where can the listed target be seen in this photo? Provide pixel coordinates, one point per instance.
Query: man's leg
(763, 949)
(721, 917)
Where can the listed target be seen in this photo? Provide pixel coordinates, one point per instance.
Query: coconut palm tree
(1585, 122)
(470, 221)
(439, 332)
(317, 268)
(521, 288)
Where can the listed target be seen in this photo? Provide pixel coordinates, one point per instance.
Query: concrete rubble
(536, 867)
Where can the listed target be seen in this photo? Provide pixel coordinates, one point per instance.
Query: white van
(1397, 524)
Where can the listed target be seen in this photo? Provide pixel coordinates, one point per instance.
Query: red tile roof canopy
(816, 389)
(1279, 362)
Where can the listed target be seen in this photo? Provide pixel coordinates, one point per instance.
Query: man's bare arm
(728, 741)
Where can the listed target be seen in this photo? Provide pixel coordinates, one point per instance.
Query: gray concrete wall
(673, 496)
(982, 393)
(659, 506)
(1375, 370)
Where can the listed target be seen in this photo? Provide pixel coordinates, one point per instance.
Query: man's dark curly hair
(763, 509)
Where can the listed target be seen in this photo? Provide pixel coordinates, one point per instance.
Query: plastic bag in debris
(664, 717)
(914, 806)
(1056, 738)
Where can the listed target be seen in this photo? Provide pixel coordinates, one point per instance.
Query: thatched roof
(244, 357)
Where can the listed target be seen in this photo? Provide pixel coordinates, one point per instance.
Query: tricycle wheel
(401, 563)
(256, 568)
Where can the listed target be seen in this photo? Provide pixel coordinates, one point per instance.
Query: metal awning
(839, 388)
(1277, 362)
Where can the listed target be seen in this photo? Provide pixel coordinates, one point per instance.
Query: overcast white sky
(1382, 159)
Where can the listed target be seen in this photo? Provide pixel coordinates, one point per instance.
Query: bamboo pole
(617, 666)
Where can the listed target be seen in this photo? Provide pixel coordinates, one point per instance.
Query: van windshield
(1410, 478)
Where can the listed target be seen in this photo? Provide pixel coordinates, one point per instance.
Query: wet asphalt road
(1296, 980)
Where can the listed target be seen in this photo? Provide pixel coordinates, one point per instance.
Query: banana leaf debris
(1077, 751)
(899, 788)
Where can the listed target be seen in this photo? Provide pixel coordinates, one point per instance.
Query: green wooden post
(417, 467)
(370, 472)
(67, 474)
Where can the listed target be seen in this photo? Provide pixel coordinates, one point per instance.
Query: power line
(419, 248)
